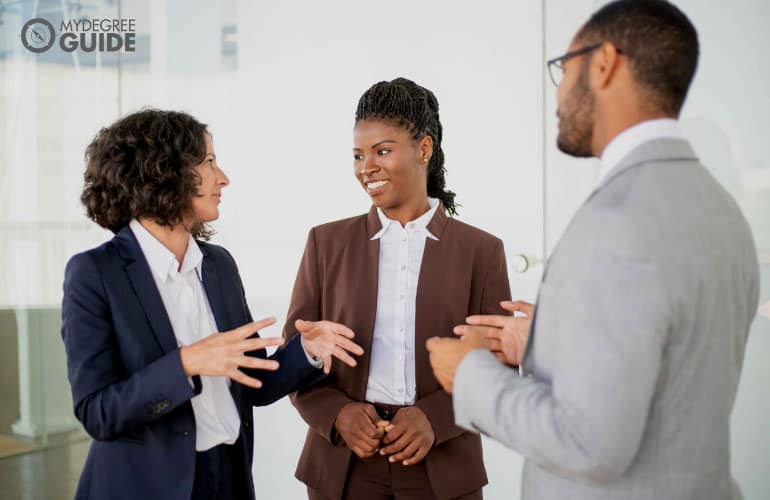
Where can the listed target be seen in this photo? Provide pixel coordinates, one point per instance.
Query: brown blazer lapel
(368, 304)
(430, 285)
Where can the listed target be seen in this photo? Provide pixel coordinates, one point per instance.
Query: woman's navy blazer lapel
(140, 276)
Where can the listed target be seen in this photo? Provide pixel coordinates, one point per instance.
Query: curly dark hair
(414, 108)
(143, 165)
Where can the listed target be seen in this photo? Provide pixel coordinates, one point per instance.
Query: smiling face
(206, 203)
(390, 165)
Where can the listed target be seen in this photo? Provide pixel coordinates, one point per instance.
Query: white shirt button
(403, 268)
(400, 390)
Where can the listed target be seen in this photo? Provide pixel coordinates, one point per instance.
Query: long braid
(416, 109)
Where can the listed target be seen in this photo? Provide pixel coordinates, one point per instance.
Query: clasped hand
(407, 438)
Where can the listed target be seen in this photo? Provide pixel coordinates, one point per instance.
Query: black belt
(386, 411)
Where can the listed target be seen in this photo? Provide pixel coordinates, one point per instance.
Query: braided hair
(416, 109)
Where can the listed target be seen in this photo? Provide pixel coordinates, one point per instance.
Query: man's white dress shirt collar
(631, 138)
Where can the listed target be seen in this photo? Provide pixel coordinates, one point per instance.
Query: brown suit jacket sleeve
(320, 404)
(437, 406)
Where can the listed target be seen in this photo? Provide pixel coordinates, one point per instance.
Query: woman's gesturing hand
(223, 354)
(325, 339)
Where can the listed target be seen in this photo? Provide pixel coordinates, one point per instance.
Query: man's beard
(576, 120)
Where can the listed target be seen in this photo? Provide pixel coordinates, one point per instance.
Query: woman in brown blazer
(396, 276)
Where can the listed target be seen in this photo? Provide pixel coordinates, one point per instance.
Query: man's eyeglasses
(556, 65)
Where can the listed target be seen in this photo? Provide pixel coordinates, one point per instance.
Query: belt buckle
(383, 411)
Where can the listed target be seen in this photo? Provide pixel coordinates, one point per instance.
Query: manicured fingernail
(391, 460)
(406, 462)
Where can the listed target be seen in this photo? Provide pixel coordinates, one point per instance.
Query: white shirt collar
(628, 140)
(420, 222)
(161, 260)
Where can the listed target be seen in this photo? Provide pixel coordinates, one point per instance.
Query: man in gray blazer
(637, 342)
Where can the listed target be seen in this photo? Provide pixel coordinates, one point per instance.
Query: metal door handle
(521, 263)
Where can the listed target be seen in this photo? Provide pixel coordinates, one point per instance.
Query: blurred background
(277, 82)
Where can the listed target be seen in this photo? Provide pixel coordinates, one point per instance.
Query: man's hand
(222, 354)
(324, 340)
(409, 437)
(505, 336)
(361, 428)
(445, 356)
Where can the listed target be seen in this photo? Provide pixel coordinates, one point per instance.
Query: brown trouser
(375, 478)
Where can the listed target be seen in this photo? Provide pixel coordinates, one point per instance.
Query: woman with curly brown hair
(166, 398)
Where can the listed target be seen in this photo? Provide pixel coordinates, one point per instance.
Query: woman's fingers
(393, 433)
(244, 379)
(250, 329)
(303, 326)
(343, 356)
(258, 363)
(260, 343)
(364, 451)
(327, 364)
(421, 453)
(349, 345)
(406, 453)
(397, 446)
(343, 330)
(366, 442)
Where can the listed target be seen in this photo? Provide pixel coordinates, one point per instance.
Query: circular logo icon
(37, 35)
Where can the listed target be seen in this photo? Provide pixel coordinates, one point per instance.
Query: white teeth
(375, 185)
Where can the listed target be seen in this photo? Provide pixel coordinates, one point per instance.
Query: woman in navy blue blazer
(166, 397)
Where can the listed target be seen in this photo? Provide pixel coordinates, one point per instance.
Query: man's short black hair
(660, 42)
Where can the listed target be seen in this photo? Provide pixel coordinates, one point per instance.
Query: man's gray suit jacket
(637, 342)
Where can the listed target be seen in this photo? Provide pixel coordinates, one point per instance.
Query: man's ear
(604, 65)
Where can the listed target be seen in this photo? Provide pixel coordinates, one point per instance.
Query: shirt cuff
(314, 362)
